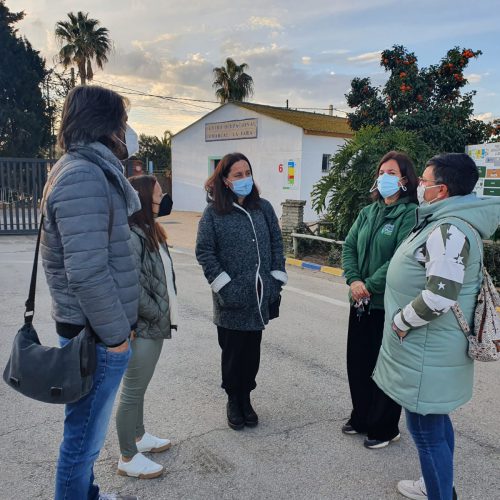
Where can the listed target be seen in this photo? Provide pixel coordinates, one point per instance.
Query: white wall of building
(313, 148)
(277, 142)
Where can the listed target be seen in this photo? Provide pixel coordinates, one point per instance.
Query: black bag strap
(30, 302)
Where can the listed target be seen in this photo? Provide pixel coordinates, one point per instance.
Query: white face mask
(421, 192)
(131, 141)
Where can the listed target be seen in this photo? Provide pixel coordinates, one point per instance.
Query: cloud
(485, 117)
(367, 57)
(335, 52)
(474, 77)
(257, 22)
(306, 60)
(165, 37)
(136, 63)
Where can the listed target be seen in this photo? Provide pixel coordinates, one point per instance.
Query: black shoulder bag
(51, 374)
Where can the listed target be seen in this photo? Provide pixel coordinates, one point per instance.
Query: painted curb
(335, 271)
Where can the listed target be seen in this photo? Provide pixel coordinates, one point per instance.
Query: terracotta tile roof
(311, 123)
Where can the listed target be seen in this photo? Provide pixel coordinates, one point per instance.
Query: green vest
(430, 371)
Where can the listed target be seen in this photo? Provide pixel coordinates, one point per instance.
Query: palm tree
(231, 82)
(81, 42)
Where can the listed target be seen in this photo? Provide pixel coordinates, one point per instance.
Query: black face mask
(165, 206)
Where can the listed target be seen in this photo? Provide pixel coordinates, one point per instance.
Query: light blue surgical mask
(388, 185)
(242, 187)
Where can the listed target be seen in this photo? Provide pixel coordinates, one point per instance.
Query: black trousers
(240, 359)
(373, 412)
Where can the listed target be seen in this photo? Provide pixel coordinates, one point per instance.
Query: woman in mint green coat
(423, 363)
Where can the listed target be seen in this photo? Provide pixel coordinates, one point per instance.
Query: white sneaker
(415, 490)
(152, 443)
(139, 467)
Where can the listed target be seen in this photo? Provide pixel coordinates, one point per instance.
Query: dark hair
(221, 196)
(91, 113)
(144, 218)
(455, 170)
(407, 171)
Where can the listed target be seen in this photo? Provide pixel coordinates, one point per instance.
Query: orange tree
(428, 101)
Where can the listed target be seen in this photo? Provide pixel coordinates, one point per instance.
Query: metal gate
(21, 187)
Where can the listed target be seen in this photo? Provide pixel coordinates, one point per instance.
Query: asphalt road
(297, 451)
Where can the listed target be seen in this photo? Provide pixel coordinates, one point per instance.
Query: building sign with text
(230, 131)
(487, 158)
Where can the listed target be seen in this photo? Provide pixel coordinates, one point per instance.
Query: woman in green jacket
(369, 246)
(423, 362)
(157, 317)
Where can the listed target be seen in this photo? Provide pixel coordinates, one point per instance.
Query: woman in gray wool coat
(157, 317)
(240, 249)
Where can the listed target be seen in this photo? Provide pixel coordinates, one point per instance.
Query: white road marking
(316, 296)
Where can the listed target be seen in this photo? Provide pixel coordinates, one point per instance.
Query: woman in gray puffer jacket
(157, 316)
(240, 248)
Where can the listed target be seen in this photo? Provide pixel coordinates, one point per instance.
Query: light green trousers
(130, 412)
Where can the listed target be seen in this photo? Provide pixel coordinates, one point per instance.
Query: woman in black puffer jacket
(240, 249)
(157, 316)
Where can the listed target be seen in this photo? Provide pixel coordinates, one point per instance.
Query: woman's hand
(359, 291)
(121, 348)
(400, 333)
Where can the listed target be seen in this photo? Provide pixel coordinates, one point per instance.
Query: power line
(170, 98)
(179, 100)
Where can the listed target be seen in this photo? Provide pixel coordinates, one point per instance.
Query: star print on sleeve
(447, 252)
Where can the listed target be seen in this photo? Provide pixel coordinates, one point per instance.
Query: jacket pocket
(275, 287)
(239, 293)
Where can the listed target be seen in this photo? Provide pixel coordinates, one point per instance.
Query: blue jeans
(435, 441)
(85, 426)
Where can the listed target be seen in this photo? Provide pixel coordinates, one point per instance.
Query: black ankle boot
(251, 418)
(235, 418)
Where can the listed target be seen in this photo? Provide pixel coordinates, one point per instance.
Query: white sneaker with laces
(139, 467)
(152, 443)
(415, 490)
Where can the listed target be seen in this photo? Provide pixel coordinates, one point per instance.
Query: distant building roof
(311, 123)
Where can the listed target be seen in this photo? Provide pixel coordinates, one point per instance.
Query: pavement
(181, 228)
(296, 452)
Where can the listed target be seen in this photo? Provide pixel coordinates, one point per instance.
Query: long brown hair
(407, 170)
(221, 196)
(144, 218)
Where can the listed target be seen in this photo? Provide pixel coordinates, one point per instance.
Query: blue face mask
(387, 185)
(242, 187)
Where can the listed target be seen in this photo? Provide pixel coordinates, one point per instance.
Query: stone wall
(292, 219)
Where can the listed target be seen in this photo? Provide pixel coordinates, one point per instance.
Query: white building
(288, 150)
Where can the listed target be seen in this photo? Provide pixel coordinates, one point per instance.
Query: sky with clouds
(306, 51)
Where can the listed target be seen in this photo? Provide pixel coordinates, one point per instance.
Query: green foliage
(344, 191)
(83, 41)
(427, 101)
(495, 134)
(152, 148)
(492, 261)
(56, 87)
(231, 82)
(24, 118)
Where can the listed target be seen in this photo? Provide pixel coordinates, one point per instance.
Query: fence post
(292, 218)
